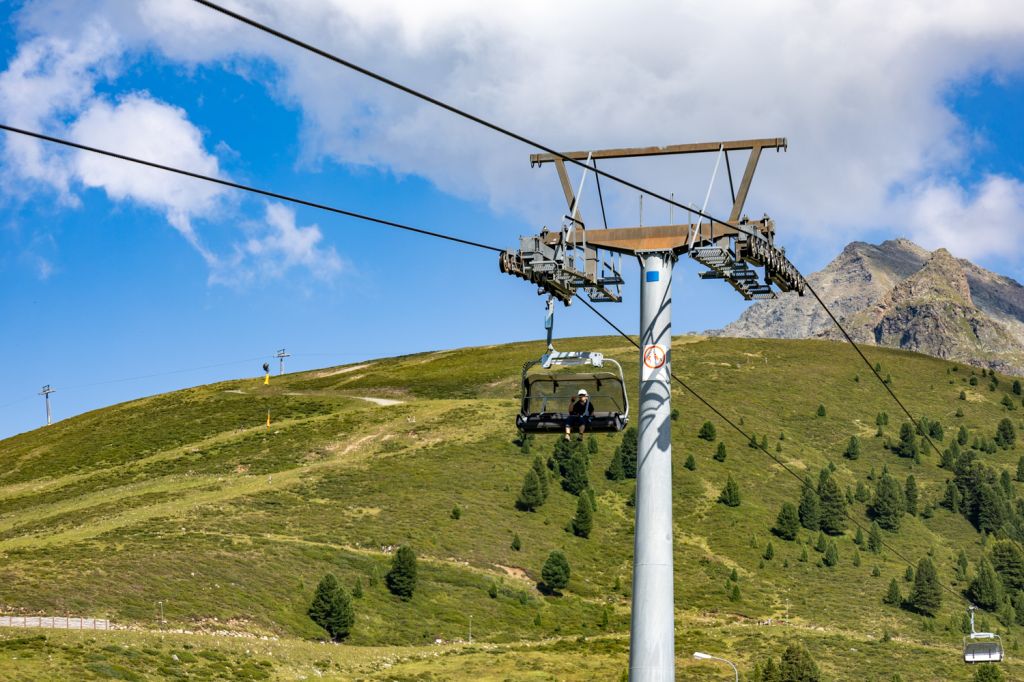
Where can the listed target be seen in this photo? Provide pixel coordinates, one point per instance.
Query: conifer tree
(401, 579)
(556, 571)
(615, 472)
(822, 543)
(1008, 562)
(517, 544)
(858, 539)
(628, 451)
(1020, 469)
(988, 514)
(730, 493)
(787, 524)
(530, 496)
(1006, 484)
(1006, 434)
(798, 666)
(770, 671)
(592, 444)
(542, 477)
(331, 608)
(910, 492)
(856, 557)
(583, 522)
(831, 557)
(961, 566)
(803, 554)
(1016, 387)
(769, 552)
(988, 672)
(690, 463)
(810, 508)
(893, 596)
(986, 589)
(720, 452)
(907, 447)
(833, 507)
(875, 538)
(852, 448)
(926, 596)
(889, 503)
(821, 410)
(574, 478)
(908, 575)
(862, 494)
(962, 436)
(707, 431)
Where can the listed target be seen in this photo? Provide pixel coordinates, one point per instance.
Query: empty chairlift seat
(550, 384)
(982, 647)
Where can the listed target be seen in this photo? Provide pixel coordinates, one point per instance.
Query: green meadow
(192, 500)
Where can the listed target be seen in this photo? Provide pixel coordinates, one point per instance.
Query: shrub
(707, 431)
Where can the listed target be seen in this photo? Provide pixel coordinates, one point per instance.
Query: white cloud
(51, 85)
(976, 223)
(51, 78)
(281, 244)
(858, 88)
(143, 127)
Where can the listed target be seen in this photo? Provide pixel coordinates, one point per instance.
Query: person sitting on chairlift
(581, 413)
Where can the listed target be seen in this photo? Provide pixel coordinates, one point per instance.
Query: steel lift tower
(562, 262)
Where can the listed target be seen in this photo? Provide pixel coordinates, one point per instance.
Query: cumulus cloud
(51, 85)
(282, 245)
(860, 89)
(49, 79)
(143, 127)
(971, 222)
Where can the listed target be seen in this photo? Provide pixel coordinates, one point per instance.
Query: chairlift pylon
(982, 647)
(551, 383)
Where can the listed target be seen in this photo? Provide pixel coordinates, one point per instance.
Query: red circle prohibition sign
(654, 357)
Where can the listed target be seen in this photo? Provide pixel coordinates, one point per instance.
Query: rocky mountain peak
(899, 294)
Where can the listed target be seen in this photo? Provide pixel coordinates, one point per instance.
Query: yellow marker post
(268, 419)
(266, 379)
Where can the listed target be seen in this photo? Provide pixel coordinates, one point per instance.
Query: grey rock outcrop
(900, 295)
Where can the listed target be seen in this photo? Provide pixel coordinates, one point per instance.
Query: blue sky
(115, 284)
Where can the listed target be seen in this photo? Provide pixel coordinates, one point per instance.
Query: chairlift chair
(551, 383)
(982, 647)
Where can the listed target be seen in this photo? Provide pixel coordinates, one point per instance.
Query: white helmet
(582, 391)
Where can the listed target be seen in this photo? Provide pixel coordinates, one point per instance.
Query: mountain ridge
(900, 295)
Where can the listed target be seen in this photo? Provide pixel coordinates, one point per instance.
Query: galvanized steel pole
(652, 630)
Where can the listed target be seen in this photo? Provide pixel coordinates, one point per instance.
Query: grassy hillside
(190, 499)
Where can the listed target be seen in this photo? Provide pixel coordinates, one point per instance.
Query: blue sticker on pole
(653, 276)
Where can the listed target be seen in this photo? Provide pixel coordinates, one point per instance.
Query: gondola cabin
(549, 386)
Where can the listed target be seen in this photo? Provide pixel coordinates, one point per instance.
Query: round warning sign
(654, 356)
